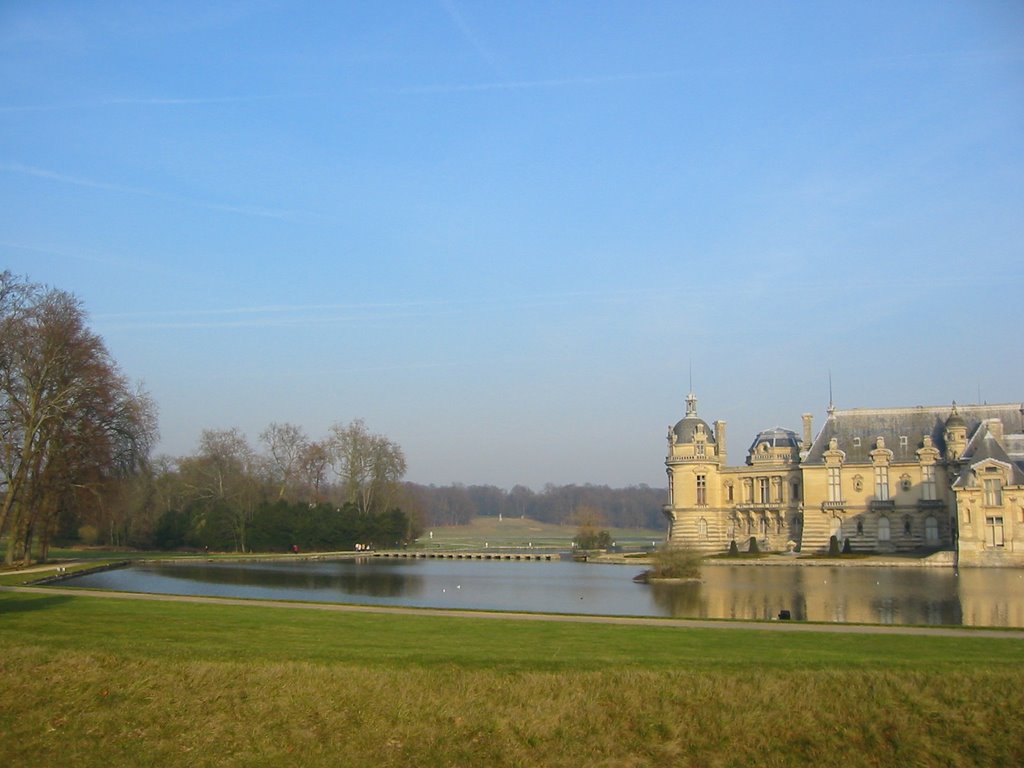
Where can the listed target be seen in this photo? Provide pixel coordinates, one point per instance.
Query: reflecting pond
(875, 595)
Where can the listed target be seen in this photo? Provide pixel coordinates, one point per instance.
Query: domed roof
(686, 428)
(691, 424)
(776, 438)
(955, 419)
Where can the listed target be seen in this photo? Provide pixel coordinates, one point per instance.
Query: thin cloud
(469, 34)
(90, 258)
(79, 181)
(562, 82)
(297, 315)
(151, 101)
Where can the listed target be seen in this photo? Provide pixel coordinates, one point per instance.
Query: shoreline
(936, 560)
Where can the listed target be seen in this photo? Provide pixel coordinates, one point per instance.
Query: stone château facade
(884, 480)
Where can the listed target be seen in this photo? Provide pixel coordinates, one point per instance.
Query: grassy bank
(90, 681)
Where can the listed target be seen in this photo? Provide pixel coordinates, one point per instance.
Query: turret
(956, 435)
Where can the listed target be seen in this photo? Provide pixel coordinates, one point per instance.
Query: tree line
(75, 463)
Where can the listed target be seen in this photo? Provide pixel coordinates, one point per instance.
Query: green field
(113, 682)
(517, 533)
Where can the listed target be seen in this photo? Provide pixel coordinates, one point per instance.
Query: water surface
(975, 597)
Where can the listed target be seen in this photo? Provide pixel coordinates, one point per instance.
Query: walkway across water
(458, 555)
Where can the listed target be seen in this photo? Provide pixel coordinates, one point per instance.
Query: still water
(975, 597)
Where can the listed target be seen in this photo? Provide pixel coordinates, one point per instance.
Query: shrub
(753, 549)
(847, 547)
(734, 550)
(591, 539)
(833, 547)
(88, 534)
(675, 563)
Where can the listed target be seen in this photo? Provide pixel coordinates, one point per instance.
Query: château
(880, 480)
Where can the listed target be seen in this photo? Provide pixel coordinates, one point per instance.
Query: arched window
(884, 533)
(931, 530)
(702, 529)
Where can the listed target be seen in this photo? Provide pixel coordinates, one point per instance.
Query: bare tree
(287, 445)
(222, 477)
(368, 466)
(312, 469)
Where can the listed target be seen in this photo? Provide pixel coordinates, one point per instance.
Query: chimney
(808, 434)
(995, 428)
(720, 441)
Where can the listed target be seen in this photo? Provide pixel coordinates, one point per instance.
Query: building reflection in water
(976, 597)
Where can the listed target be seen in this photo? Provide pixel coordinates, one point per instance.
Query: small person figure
(295, 549)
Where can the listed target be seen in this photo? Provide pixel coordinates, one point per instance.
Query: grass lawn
(521, 532)
(102, 682)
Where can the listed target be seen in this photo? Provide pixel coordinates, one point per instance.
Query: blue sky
(505, 233)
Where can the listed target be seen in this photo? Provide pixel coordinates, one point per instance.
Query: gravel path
(766, 626)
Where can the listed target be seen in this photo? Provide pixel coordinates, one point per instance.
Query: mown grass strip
(102, 682)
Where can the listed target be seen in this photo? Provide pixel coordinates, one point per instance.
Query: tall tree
(368, 466)
(222, 479)
(69, 421)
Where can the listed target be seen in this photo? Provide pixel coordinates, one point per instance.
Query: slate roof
(856, 429)
(685, 429)
(983, 446)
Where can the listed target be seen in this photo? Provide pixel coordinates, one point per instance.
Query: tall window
(931, 530)
(884, 533)
(994, 534)
(763, 484)
(881, 482)
(702, 529)
(835, 488)
(699, 448)
(928, 482)
(702, 490)
(993, 493)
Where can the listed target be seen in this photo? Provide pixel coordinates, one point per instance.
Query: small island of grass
(672, 564)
